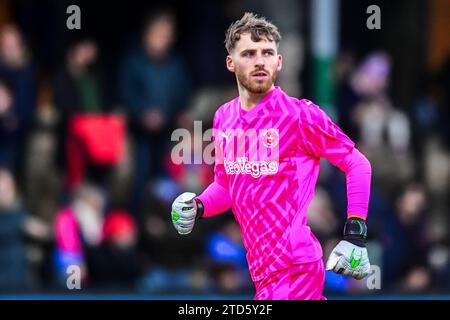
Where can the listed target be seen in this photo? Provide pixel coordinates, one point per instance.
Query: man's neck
(249, 99)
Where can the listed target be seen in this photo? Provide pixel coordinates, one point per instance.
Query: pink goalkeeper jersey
(267, 165)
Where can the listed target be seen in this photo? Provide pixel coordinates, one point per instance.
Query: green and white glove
(350, 256)
(185, 210)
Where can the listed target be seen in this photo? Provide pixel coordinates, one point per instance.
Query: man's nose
(259, 61)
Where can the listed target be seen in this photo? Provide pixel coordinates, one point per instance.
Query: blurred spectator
(437, 168)
(418, 279)
(426, 112)
(226, 251)
(154, 86)
(13, 265)
(95, 145)
(346, 97)
(9, 136)
(86, 132)
(78, 86)
(116, 266)
(439, 260)
(407, 242)
(16, 225)
(375, 112)
(227, 279)
(17, 68)
(78, 231)
(384, 130)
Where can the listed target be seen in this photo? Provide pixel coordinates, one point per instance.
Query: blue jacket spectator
(154, 87)
(16, 67)
(13, 264)
(146, 84)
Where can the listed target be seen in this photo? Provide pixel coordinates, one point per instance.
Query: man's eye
(247, 54)
(268, 53)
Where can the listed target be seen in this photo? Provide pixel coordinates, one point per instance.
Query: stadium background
(66, 96)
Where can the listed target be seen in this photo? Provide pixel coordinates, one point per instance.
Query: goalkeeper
(268, 147)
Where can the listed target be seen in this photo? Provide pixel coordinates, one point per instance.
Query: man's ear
(230, 63)
(280, 63)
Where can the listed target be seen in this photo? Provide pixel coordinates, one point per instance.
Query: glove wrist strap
(355, 231)
(200, 208)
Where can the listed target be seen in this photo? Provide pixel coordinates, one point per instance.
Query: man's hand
(153, 120)
(350, 256)
(184, 212)
(350, 260)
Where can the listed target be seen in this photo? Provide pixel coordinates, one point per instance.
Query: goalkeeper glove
(185, 210)
(350, 256)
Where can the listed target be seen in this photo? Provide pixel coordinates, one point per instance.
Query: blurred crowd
(87, 180)
(408, 212)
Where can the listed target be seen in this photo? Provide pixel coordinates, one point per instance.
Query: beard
(256, 87)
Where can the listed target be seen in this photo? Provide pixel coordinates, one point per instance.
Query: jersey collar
(258, 109)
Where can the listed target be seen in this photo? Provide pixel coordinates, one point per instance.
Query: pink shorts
(299, 282)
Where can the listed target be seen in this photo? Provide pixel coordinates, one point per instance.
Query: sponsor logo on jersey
(254, 168)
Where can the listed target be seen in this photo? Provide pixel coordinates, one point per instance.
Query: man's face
(256, 64)
(11, 44)
(159, 36)
(85, 53)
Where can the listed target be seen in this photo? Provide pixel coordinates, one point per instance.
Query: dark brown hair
(258, 27)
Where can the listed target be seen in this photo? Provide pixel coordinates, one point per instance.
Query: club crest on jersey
(270, 138)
